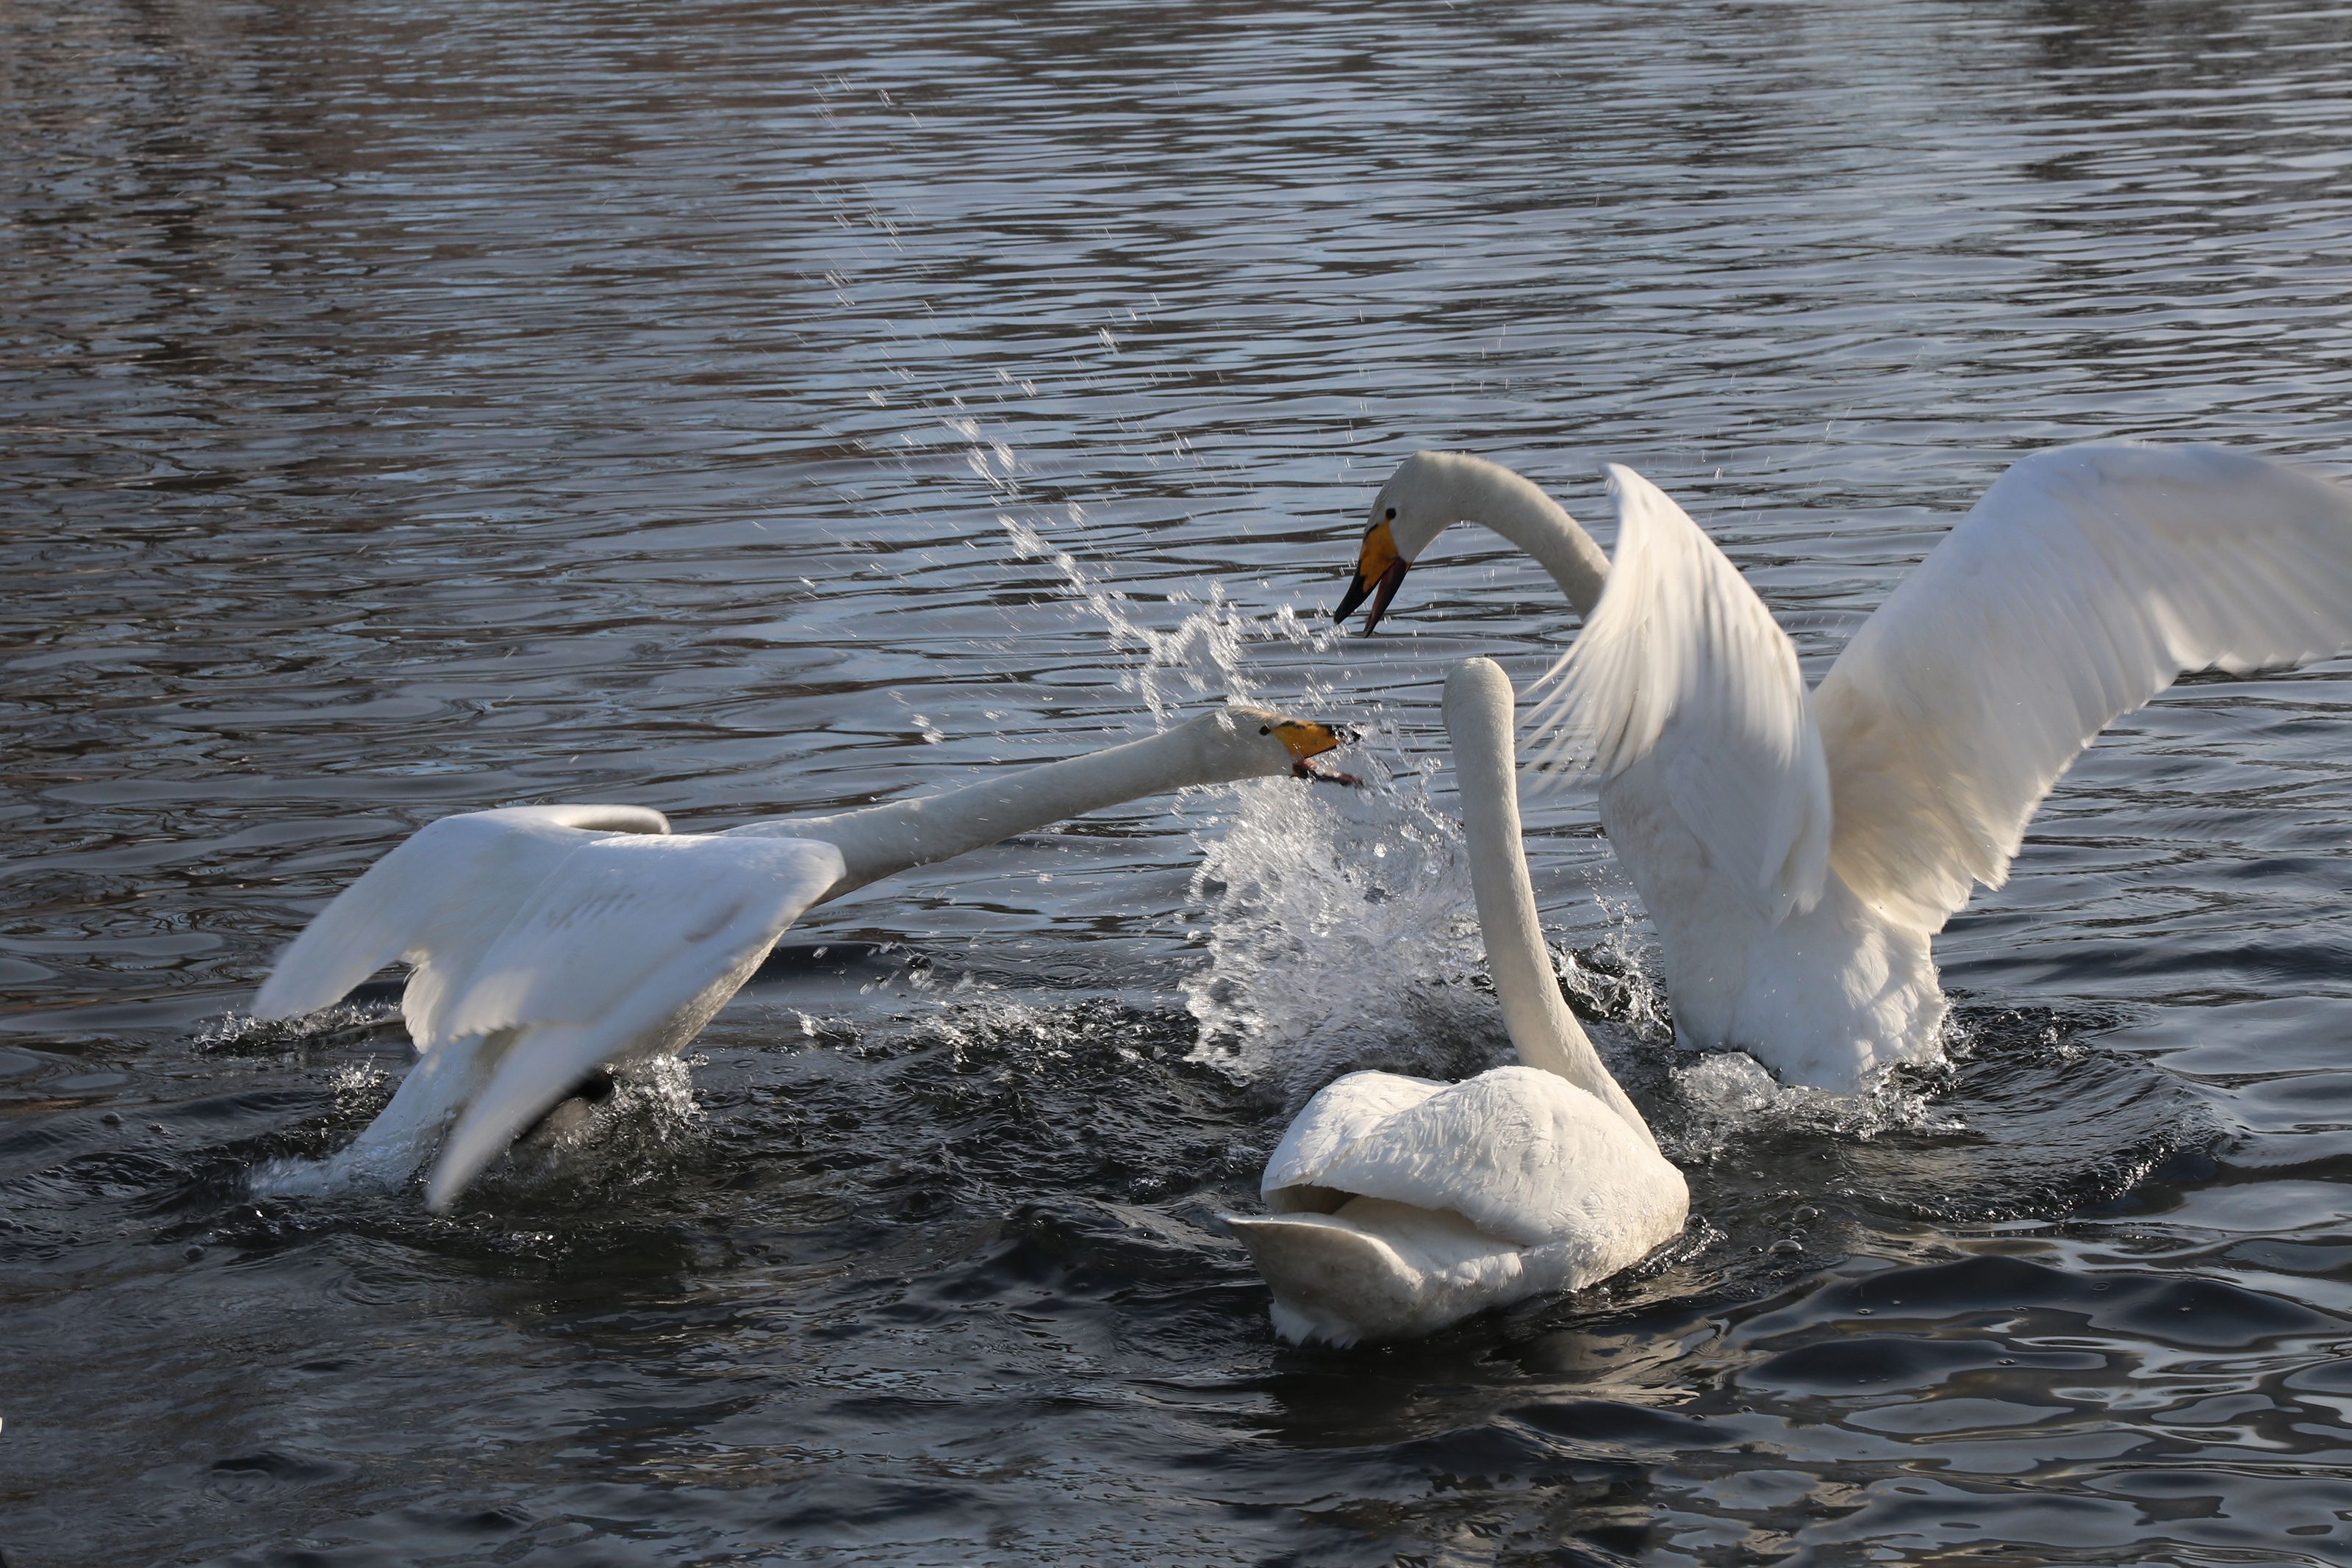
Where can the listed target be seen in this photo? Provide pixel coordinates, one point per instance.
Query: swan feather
(1521, 1153)
(436, 901)
(627, 949)
(2086, 581)
(1681, 665)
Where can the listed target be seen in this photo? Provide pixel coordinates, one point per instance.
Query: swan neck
(881, 840)
(1513, 505)
(1478, 722)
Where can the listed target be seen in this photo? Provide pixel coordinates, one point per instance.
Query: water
(411, 408)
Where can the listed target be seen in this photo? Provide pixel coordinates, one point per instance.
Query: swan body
(1396, 1205)
(546, 942)
(1796, 851)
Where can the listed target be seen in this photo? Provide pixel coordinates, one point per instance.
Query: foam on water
(621, 1137)
(1729, 1095)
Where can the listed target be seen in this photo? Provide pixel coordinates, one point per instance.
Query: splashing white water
(1202, 657)
(1728, 1094)
(625, 1140)
(651, 1110)
(1341, 934)
(1614, 978)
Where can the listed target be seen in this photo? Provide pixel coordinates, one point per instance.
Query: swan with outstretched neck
(547, 942)
(1796, 851)
(1395, 1205)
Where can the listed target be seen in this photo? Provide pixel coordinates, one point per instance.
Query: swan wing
(1681, 665)
(1343, 1113)
(436, 901)
(628, 947)
(2083, 583)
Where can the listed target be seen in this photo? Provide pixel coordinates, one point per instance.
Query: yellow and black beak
(1306, 738)
(1378, 570)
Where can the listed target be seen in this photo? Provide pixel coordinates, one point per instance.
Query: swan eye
(1265, 730)
(1391, 517)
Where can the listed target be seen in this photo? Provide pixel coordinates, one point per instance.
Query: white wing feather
(2086, 581)
(437, 901)
(627, 949)
(1682, 664)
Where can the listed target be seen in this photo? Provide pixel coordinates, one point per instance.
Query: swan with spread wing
(1395, 1205)
(546, 942)
(1797, 850)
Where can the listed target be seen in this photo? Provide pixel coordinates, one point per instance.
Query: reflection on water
(411, 408)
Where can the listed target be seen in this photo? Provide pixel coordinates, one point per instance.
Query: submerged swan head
(1395, 1206)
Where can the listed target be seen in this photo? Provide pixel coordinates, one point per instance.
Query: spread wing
(628, 947)
(2086, 581)
(436, 902)
(1681, 666)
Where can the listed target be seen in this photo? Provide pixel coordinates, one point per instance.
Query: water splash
(348, 1023)
(1200, 657)
(1615, 979)
(618, 1139)
(630, 1138)
(1729, 1096)
(1340, 935)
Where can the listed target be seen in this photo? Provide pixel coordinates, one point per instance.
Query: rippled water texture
(411, 408)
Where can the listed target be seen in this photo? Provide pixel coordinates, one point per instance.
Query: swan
(546, 942)
(1796, 850)
(1398, 1205)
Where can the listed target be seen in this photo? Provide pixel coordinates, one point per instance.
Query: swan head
(1255, 742)
(1420, 501)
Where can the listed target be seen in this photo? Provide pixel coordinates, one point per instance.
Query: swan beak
(1306, 739)
(1379, 570)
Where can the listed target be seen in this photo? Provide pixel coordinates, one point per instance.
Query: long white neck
(1478, 721)
(1487, 494)
(879, 840)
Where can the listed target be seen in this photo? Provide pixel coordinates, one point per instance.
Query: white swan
(547, 941)
(1796, 851)
(1398, 1205)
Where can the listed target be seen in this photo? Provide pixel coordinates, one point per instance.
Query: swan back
(1397, 1206)
(437, 901)
(1523, 1154)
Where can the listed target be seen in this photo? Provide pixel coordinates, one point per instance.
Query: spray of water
(650, 1112)
(1202, 657)
(1613, 978)
(1727, 1096)
(1340, 935)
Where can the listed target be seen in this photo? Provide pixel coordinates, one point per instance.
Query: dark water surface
(409, 408)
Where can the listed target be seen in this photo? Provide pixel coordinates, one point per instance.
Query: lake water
(413, 408)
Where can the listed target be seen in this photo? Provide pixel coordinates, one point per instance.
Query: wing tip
(469, 1149)
(285, 994)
